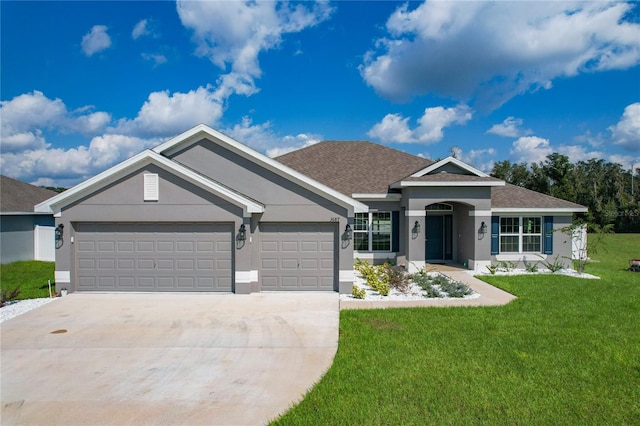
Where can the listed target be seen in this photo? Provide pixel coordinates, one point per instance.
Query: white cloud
(25, 117)
(96, 40)
(510, 127)
(165, 114)
(430, 129)
(262, 138)
(578, 153)
(626, 132)
(530, 149)
(144, 28)
(66, 167)
(157, 59)
(234, 33)
(492, 51)
(481, 159)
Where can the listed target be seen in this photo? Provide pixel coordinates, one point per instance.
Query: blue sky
(85, 85)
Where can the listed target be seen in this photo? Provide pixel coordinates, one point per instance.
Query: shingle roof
(512, 196)
(354, 167)
(16, 196)
(361, 167)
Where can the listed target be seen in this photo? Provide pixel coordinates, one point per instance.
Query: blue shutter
(495, 234)
(548, 235)
(395, 231)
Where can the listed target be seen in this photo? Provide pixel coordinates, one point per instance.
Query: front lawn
(31, 276)
(567, 351)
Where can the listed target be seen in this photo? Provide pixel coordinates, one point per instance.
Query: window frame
(369, 232)
(521, 234)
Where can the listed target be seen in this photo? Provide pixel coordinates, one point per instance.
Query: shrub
(376, 276)
(357, 292)
(554, 266)
(531, 267)
(398, 278)
(508, 266)
(455, 288)
(422, 279)
(492, 268)
(8, 296)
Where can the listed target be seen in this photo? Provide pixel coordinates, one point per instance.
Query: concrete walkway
(193, 359)
(489, 295)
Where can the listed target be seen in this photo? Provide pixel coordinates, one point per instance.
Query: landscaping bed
(392, 282)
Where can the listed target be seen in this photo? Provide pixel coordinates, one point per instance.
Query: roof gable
(201, 131)
(16, 196)
(146, 157)
(450, 165)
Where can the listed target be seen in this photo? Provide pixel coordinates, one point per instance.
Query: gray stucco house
(203, 212)
(24, 234)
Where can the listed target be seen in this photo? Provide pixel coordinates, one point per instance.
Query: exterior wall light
(348, 233)
(242, 233)
(59, 235)
(483, 228)
(416, 228)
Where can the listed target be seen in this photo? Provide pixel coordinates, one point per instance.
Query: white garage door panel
(297, 256)
(154, 257)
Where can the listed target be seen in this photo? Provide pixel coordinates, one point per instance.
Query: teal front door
(438, 235)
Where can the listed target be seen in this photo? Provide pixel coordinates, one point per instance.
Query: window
(372, 231)
(520, 234)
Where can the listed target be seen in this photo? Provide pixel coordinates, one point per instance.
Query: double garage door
(154, 257)
(199, 257)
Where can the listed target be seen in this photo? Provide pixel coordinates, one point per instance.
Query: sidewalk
(489, 296)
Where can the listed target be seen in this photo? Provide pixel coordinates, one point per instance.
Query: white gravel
(13, 309)
(415, 293)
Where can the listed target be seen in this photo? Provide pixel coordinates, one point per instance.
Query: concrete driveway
(214, 359)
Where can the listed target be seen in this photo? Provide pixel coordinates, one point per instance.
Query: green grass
(567, 351)
(31, 276)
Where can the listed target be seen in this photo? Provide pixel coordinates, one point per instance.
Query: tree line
(604, 187)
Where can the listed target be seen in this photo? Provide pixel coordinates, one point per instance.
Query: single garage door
(154, 257)
(297, 256)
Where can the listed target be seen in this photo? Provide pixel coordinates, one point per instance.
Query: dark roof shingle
(16, 196)
(512, 196)
(354, 167)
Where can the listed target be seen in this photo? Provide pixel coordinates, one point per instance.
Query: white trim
(346, 275)
(415, 213)
(407, 184)
(62, 277)
(377, 197)
(203, 131)
(374, 255)
(144, 158)
(446, 161)
(25, 213)
(245, 277)
(479, 212)
(556, 211)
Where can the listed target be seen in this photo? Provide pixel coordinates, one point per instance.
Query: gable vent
(151, 187)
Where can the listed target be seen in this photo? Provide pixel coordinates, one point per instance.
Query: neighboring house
(24, 234)
(203, 212)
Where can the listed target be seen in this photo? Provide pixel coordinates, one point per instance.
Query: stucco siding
(246, 177)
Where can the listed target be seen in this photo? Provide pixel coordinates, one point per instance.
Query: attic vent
(151, 187)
